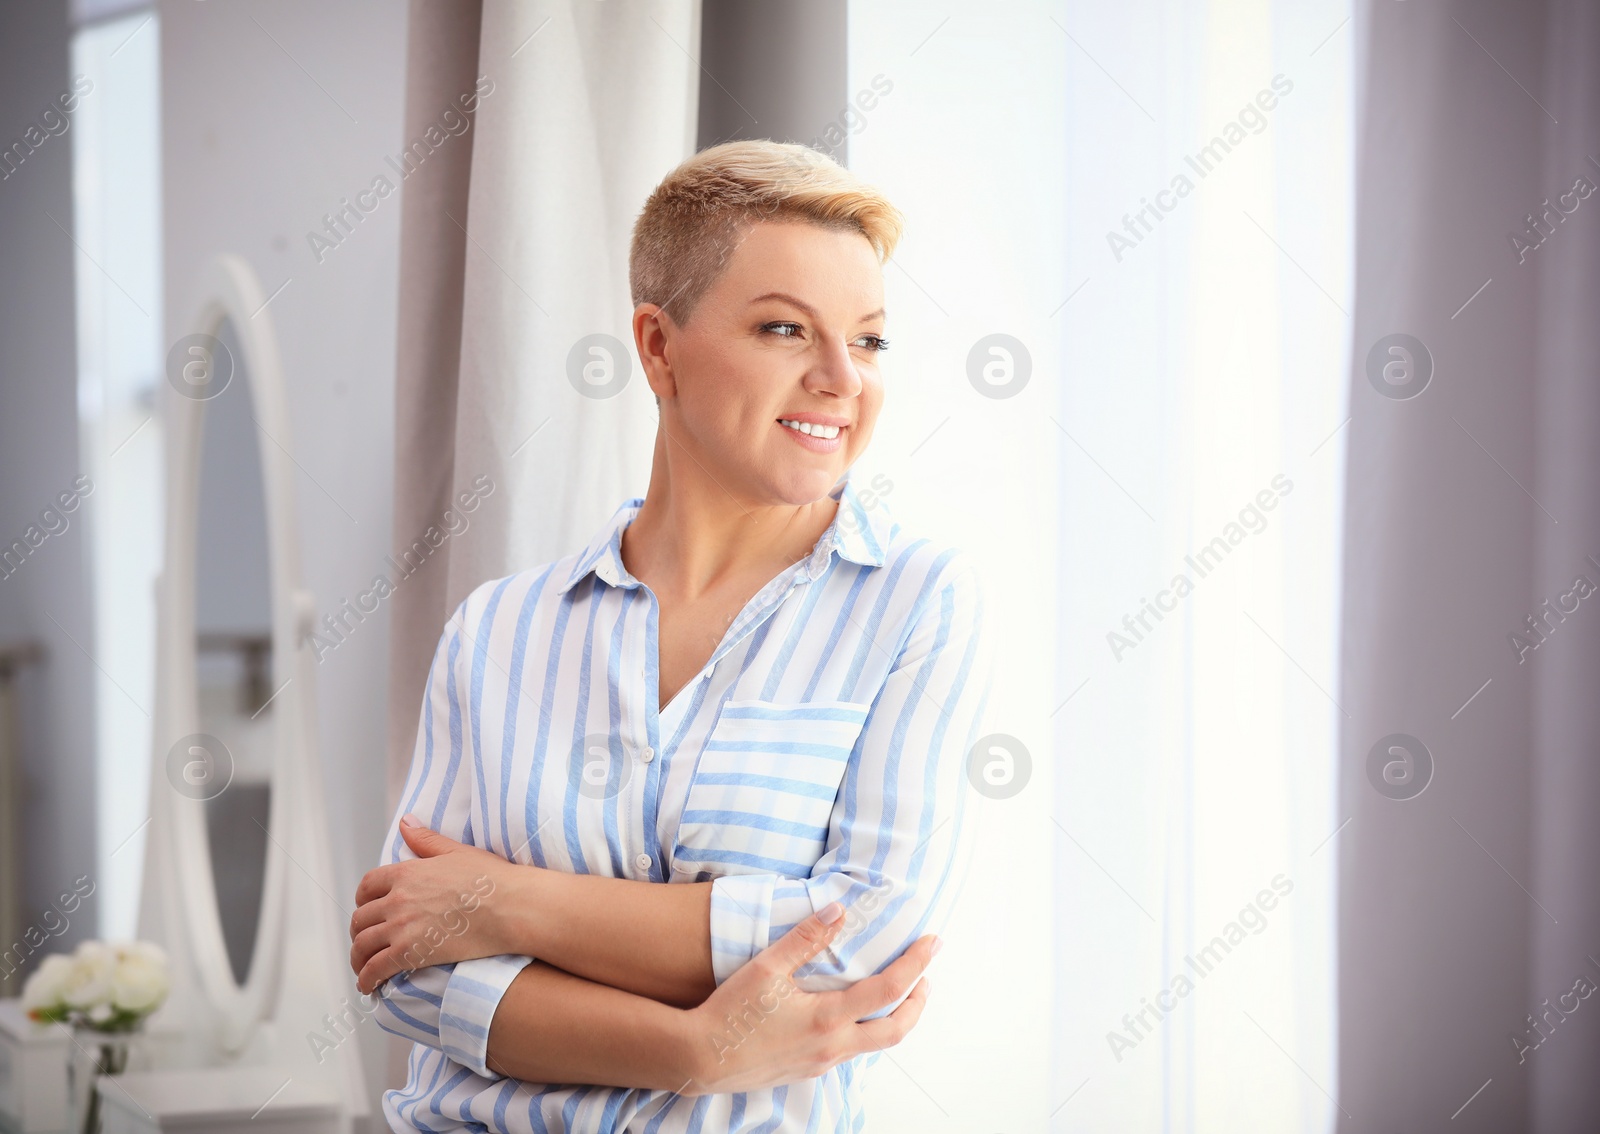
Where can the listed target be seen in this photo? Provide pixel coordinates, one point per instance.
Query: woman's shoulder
(926, 570)
(495, 598)
(873, 535)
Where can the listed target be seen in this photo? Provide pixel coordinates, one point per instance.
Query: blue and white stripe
(820, 755)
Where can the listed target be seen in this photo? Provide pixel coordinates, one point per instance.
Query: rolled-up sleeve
(448, 1007)
(899, 835)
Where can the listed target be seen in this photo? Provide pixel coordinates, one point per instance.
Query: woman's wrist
(513, 920)
(688, 1037)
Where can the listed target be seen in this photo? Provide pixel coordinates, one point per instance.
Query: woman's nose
(835, 371)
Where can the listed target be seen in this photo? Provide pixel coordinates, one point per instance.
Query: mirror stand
(243, 1057)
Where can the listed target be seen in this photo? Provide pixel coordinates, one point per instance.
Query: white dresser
(254, 1099)
(33, 1074)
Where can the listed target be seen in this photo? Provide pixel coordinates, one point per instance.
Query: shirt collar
(859, 533)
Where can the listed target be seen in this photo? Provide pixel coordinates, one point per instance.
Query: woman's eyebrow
(806, 307)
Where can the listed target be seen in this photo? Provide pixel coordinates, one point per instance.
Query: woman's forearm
(757, 1030)
(592, 927)
(554, 1027)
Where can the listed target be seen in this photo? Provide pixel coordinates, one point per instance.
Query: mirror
(235, 675)
(233, 692)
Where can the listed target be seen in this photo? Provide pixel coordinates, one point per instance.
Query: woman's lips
(815, 444)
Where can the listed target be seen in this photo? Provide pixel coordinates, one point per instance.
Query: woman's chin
(802, 486)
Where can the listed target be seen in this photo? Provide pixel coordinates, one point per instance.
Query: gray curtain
(1473, 510)
(773, 71)
(442, 61)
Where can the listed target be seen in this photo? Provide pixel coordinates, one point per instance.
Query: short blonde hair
(698, 215)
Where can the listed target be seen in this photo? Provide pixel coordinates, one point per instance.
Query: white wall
(273, 112)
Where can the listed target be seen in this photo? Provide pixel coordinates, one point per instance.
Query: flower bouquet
(104, 992)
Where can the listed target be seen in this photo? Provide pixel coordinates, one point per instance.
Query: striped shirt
(821, 754)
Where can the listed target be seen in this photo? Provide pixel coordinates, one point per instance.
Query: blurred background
(1250, 346)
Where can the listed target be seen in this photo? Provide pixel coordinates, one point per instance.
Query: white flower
(149, 952)
(95, 955)
(88, 981)
(100, 982)
(44, 987)
(139, 984)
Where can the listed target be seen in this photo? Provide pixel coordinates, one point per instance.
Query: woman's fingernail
(410, 820)
(831, 913)
(938, 943)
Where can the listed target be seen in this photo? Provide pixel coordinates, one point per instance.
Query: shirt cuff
(470, 999)
(741, 920)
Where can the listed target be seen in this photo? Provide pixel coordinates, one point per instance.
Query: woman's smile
(818, 432)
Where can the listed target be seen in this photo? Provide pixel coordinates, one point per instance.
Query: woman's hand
(431, 910)
(759, 1029)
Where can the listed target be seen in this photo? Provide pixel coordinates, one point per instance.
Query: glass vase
(92, 1056)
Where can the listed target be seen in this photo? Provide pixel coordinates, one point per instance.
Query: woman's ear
(650, 332)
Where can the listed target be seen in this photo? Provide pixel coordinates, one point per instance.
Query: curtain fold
(441, 64)
(1469, 911)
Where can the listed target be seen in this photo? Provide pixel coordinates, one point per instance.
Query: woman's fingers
(802, 943)
(426, 843)
(877, 992)
(367, 944)
(376, 882)
(379, 968)
(367, 915)
(875, 1035)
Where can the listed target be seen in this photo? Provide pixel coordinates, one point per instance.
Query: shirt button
(642, 862)
(647, 754)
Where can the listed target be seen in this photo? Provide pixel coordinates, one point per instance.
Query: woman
(750, 685)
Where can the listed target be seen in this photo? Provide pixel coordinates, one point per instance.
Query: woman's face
(787, 333)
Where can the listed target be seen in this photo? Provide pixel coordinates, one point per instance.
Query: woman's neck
(693, 533)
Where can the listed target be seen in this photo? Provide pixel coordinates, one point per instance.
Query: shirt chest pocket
(765, 787)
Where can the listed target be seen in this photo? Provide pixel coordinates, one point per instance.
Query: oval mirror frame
(232, 292)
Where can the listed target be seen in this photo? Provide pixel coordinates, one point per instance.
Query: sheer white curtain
(552, 408)
(1185, 307)
(1210, 196)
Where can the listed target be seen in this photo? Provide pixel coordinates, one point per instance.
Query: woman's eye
(794, 330)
